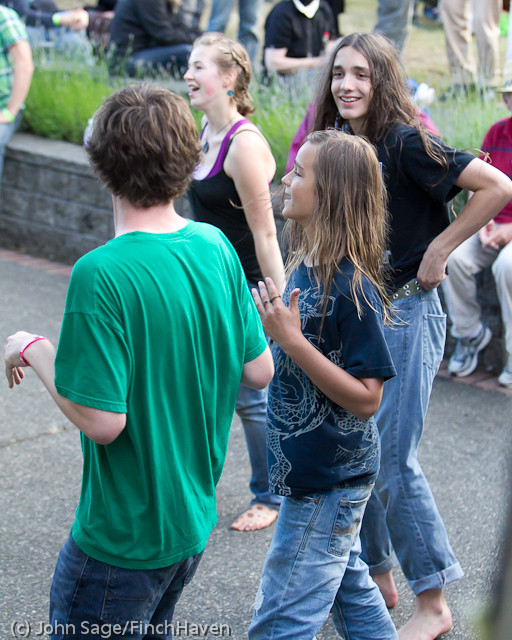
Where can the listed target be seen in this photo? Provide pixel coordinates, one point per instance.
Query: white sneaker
(465, 357)
(505, 378)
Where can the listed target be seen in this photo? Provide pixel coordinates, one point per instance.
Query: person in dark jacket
(149, 35)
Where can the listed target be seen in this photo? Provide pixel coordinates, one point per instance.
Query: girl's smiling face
(351, 87)
(203, 77)
(300, 199)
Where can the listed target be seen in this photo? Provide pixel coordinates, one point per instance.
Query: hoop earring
(231, 93)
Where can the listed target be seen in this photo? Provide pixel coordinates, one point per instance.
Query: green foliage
(463, 123)
(63, 97)
(61, 102)
(280, 109)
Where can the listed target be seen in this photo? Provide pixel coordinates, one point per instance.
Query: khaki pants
(460, 287)
(456, 15)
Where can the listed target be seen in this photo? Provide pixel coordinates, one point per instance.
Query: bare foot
(387, 587)
(257, 516)
(431, 619)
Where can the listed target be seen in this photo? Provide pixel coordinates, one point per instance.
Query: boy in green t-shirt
(159, 330)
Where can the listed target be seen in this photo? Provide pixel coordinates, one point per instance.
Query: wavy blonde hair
(231, 55)
(350, 219)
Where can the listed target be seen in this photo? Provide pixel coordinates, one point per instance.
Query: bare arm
(251, 166)
(360, 396)
(101, 426)
(23, 69)
(258, 372)
(492, 190)
(276, 60)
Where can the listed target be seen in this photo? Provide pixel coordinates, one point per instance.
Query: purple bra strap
(224, 147)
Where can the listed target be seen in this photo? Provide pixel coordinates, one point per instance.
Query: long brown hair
(391, 101)
(350, 219)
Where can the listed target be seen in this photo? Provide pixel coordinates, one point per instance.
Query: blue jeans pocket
(434, 333)
(348, 521)
(129, 594)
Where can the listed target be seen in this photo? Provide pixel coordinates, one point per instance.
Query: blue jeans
(7, 131)
(313, 565)
(248, 25)
(92, 599)
(251, 406)
(402, 513)
(173, 58)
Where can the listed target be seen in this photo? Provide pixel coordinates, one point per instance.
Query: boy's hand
(13, 363)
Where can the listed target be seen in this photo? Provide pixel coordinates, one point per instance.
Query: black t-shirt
(287, 28)
(419, 190)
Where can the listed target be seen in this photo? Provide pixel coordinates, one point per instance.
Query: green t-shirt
(157, 326)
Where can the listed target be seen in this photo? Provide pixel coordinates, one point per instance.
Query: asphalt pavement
(465, 453)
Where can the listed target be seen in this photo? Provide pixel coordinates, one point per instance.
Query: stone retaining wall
(52, 206)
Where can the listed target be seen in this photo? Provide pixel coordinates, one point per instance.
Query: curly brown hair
(144, 145)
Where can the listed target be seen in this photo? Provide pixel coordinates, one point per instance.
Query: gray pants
(456, 15)
(394, 19)
(460, 287)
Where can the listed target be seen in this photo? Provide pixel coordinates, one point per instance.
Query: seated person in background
(15, 75)
(297, 34)
(46, 25)
(149, 35)
(100, 17)
(492, 245)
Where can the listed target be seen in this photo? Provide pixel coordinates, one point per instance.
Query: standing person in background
(364, 90)
(248, 12)
(158, 331)
(394, 20)
(16, 69)
(231, 191)
(460, 18)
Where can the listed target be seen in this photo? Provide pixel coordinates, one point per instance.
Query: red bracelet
(26, 346)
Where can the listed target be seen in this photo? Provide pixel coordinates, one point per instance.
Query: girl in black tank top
(231, 191)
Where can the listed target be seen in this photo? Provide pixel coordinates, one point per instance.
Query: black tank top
(215, 200)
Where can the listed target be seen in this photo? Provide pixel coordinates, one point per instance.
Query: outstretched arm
(492, 190)
(101, 426)
(360, 396)
(277, 60)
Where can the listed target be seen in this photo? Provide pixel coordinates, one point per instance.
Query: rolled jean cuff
(437, 580)
(271, 500)
(384, 566)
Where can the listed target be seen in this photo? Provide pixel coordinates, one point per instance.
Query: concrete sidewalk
(465, 454)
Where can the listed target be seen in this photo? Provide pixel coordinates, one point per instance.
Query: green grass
(61, 101)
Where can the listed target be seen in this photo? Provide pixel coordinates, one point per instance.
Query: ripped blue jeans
(313, 565)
